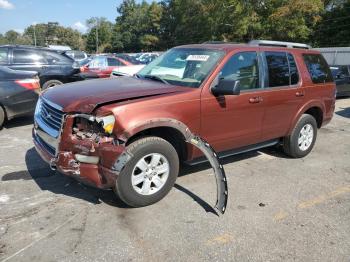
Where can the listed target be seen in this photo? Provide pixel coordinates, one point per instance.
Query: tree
(99, 35)
(333, 28)
(137, 27)
(53, 33)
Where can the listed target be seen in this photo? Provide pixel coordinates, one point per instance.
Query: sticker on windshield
(200, 58)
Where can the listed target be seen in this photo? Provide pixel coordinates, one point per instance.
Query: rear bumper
(101, 175)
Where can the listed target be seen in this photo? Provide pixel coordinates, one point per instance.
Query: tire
(136, 194)
(300, 142)
(51, 83)
(2, 117)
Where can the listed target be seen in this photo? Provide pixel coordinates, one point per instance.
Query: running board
(237, 151)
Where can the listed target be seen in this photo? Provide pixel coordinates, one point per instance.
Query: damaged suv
(130, 133)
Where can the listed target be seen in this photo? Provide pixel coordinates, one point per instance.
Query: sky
(18, 14)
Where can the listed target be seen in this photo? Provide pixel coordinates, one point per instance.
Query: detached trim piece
(201, 144)
(221, 180)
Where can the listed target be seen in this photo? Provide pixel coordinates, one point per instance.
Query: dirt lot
(279, 209)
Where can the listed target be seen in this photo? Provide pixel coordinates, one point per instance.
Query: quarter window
(242, 67)
(318, 68)
(278, 69)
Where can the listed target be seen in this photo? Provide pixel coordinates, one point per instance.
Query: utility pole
(96, 35)
(34, 26)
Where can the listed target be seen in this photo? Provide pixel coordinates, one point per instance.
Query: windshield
(183, 66)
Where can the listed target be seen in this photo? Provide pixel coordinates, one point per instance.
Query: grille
(50, 115)
(45, 145)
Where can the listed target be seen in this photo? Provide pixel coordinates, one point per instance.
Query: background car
(76, 55)
(18, 93)
(341, 77)
(53, 67)
(102, 66)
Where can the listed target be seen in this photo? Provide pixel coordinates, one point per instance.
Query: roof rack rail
(219, 42)
(279, 44)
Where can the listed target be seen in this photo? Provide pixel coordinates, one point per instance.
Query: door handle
(299, 94)
(255, 100)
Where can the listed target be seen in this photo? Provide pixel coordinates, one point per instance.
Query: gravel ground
(279, 209)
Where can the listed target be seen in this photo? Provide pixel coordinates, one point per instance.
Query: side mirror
(226, 87)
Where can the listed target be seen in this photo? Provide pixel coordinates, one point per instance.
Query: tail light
(30, 84)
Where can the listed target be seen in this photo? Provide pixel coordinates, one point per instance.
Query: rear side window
(56, 58)
(113, 62)
(318, 68)
(22, 56)
(3, 56)
(278, 69)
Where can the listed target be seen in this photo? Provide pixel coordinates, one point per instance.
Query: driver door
(233, 121)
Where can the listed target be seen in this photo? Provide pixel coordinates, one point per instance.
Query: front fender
(157, 122)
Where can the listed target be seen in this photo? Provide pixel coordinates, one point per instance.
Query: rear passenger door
(283, 93)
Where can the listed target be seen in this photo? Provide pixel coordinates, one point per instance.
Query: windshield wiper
(156, 78)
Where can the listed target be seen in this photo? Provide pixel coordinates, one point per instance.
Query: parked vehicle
(342, 79)
(129, 133)
(53, 68)
(339, 60)
(129, 58)
(18, 93)
(102, 66)
(146, 58)
(76, 55)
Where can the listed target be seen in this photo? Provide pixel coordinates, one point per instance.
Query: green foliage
(333, 28)
(137, 27)
(161, 25)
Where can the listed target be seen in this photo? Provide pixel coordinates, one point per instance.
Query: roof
(227, 47)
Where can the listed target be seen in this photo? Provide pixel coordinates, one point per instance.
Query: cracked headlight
(107, 123)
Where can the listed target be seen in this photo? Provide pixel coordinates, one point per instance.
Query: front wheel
(303, 137)
(150, 174)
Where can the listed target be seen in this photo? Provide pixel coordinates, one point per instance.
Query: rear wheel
(150, 174)
(303, 137)
(51, 83)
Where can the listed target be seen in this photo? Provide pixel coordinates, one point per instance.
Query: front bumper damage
(114, 156)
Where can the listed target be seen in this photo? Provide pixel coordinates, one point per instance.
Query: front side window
(318, 68)
(3, 56)
(242, 67)
(22, 56)
(278, 69)
(183, 66)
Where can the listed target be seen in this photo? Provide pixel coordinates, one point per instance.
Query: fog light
(87, 159)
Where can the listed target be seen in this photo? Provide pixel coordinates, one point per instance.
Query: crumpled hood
(85, 96)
